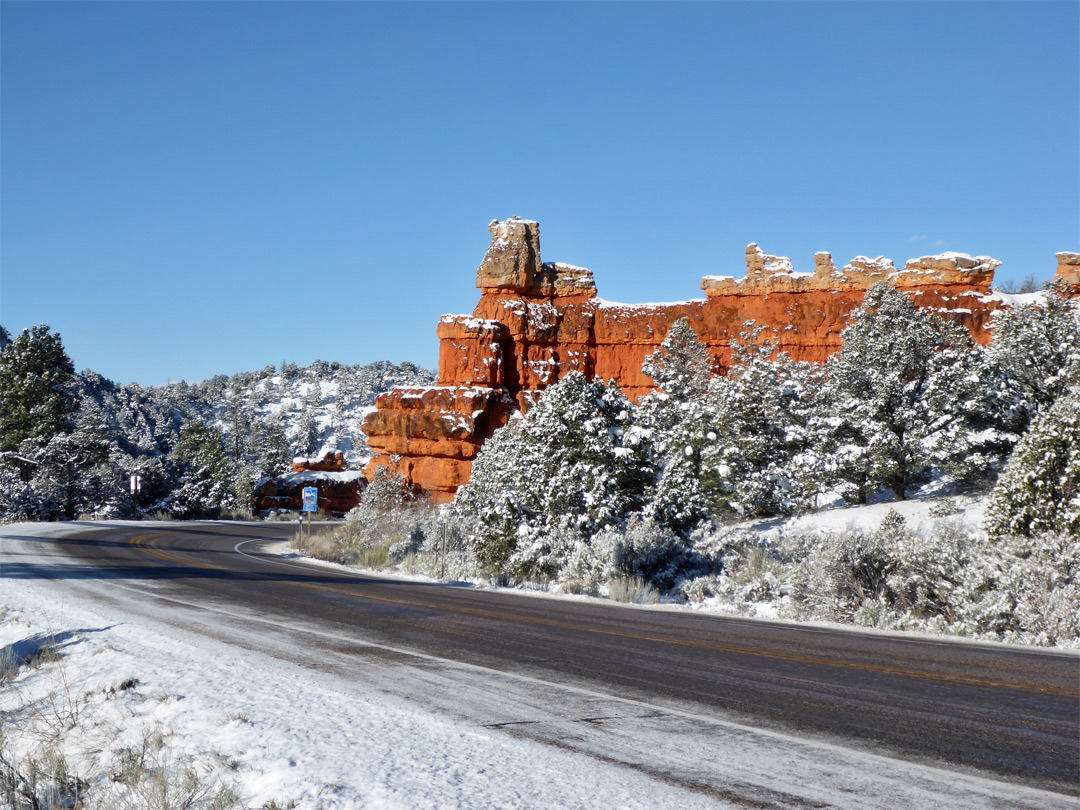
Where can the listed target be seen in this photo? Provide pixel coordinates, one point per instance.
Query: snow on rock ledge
(766, 273)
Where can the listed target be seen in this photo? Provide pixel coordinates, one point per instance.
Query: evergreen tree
(680, 367)
(270, 447)
(205, 472)
(760, 461)
(18, 501)
(676, 416)
(1039, 490)
(391, 513)
(899, 384)
(74, 474)
(67, 475)
(745, 444)
(307, 438)
(38, 398)
(239, 419)
(1036, 351)
(571, 466)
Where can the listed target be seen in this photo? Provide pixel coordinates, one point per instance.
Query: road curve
(1005, 711)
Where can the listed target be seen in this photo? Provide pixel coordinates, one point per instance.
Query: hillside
(317, 406)
(196, 447)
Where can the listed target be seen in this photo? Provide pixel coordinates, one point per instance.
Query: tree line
(69, 443)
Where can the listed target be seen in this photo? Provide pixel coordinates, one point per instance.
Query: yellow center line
(490, 614)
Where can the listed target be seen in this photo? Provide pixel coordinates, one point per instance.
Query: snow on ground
(915, 511)
(288, 714)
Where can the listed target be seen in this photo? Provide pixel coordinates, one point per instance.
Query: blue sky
(190, 189)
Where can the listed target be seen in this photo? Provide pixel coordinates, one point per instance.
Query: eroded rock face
(512, 265)
(338, 492)
(537, 322)
(1069, 269)
(331, 461)
(765, 273)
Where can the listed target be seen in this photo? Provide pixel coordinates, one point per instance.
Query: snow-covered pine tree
(307, 435)
(1036, 351)
(238, 418)
(677, 416)
(744, 444)
(205, 473)
(680, 367)
(270, 447)
(572, 465)
(897, 385)
(38, 397)
(392, 514)
(1039, 489)
(762, 421)
(74, 473)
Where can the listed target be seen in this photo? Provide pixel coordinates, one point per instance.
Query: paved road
(1010, 712)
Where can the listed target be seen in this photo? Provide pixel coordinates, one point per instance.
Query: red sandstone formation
(338, 492)
(538, 321)
(1069, 269)
(332, 461)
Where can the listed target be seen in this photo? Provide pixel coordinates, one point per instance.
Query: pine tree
(1036, 351)
(680, 367)
(676, 416)
(761, 460)
(238, 419)
(571, 466)
(205, 472)
(74, 473)
(898, 384)
(270, 447)
(1039, 490)
(71, 473)
(307, 439)
(38, 398)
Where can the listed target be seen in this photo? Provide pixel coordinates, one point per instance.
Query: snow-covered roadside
(764, 591)
(279, 731)
(286, 730)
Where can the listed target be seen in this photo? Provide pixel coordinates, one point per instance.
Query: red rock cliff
(538, 321)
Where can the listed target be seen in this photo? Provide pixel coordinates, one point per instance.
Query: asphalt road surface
(1009, 712)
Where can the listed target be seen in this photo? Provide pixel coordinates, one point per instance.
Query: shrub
(634, 590)
(389, 522)
(653, 553)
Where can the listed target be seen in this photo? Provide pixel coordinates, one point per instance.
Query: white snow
(307, 476)
(915, 512)
(865, 264)
(1017, 299)
(471, 323)
(605, 304)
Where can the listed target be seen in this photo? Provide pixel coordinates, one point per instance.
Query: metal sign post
(311, 503)
(136, 488)
(442, 549)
